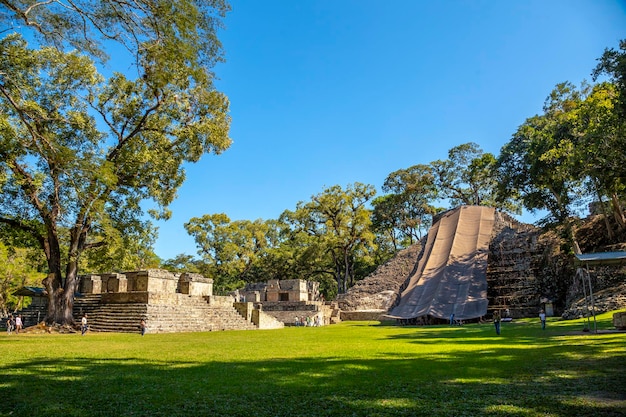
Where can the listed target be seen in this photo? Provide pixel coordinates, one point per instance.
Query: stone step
(193, 314)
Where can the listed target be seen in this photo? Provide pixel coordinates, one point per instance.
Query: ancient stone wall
(523, 274)
(513, 266)
(274, 290)
(195, 284)
(381, 290)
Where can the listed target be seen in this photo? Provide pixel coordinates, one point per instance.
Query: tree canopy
(80, 152)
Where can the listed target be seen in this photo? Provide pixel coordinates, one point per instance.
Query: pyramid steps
(191, 314)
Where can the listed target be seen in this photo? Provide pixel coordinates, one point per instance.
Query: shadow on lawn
(500, 381)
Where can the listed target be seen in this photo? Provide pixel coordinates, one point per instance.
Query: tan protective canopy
(451, 277)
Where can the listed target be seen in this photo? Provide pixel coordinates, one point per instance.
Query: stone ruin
(526, 272)
(167, 302)
(286, 300)
(117, 302)
(177, 303)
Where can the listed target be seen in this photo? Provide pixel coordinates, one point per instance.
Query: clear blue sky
(340, 91)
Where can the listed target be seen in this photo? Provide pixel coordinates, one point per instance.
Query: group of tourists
(308, 321)
(14, 324)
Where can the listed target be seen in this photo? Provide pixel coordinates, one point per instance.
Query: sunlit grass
(350, 369)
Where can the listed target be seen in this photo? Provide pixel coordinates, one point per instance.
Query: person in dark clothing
(496, 321)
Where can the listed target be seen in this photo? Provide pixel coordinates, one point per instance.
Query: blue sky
(336, 92)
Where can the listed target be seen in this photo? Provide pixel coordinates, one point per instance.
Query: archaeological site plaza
(473, 262)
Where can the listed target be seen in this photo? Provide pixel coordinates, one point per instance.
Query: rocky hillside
(380, 290)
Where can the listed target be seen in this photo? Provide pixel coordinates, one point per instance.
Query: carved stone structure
(288, 290)
(513, 271)
(167, 302)
(286, 300)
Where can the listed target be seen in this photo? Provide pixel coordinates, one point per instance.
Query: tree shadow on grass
(502, 381)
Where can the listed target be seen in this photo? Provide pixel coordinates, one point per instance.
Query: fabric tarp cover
(451, 277)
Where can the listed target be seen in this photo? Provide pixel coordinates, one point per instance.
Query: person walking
(83, 325)
(542, 317)
(496, 321)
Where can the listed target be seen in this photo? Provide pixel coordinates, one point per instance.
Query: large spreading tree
(231, 250)
(80, 152)
(339, 222)
(538, 164)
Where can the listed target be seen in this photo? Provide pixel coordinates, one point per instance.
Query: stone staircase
(513, 267)
(335, 312)
(194, 314)
(189, 314)
(85, 304)
(123, 318)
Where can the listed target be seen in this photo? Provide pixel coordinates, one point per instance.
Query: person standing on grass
(18, 324)
(496, 321)
(142, 325)
(10, 324)
(83, 325)
(542, 317)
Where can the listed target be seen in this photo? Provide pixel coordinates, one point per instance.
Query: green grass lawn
(350, 369)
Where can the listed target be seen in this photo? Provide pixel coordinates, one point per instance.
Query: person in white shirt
(542, 317)
(83, 325)
(18, 324)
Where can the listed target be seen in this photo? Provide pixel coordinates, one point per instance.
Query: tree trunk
(617, 212)
(60, 292)
(346, 271)
(67, 303)
(54, 290)
(571, 236)
(605, 215)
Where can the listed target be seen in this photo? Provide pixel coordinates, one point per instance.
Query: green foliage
(127, 251)
(467, 177)
(181, 263)
(80, 153)
(339, 222)
(612, 63)
(406, 212)
(349, 369)
(151, 31)
(18, 268)
(537, 163)
(230, 249)
(562, 159)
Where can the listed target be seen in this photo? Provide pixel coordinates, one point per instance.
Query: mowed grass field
(349, 369)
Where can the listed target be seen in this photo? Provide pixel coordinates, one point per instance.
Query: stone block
(272, 296)
(619, 320)
(152, 280)
(195, 284)
(90, 284)
(125, 297)
(117, 283)
(298, 295)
